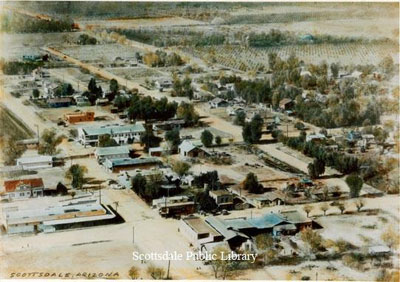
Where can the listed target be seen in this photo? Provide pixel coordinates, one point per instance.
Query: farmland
(244, 58)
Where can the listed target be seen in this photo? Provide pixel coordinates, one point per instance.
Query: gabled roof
(219, 225)
(127, 161)
(11, 185)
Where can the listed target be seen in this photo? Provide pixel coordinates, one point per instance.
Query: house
(174, 206)
(102, 102)
(79, 117)
(40, 73)
(156, 151)
(368, 138)
(267, 199)
(122, 134)
(23, 188)
(315, 137)
(49, 89)
(117, 165)
(168, 124)
(199, 232)
(59, 102)
(114, 152)
(35, 162)
(286, 104)
(379, 250)
(163, 84)
(31, 143)
(353, 136)
(82, 101)
(32, 58)
(222, 198)
(218, 103)
(188, 149)
(167, 176)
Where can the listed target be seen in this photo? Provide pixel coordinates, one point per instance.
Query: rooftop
(35, 159)
(113, 129)
(104, 151)
(11, 185)
(127, 161)
(199, 226)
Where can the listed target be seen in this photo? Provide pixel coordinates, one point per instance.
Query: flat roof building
(35, 162)
(122, 134)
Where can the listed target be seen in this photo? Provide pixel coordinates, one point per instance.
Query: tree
(316, 168)
(342, 207)
(173, 138)
(218, 140)
(312, 239)
(335, 70)
(240, 118)
(251, 184)
(114, 86)
(390, 237)
(252, 130)
(181, 168)
(186, 112)
(324, 207)
(106, 140)
(49, 141)
(11, 150)
(35, 93)
(264, 242)
(355, 184)
(360, 203)
(207, 138)
(133, 273)
(205, 202)
(157, 273)
(139, 183)
(76, 173)
(149, 140)
(220, 265)
(308, 209)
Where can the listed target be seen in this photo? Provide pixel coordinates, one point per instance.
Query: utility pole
(100, 193)
(169, 265)
(133, 234)
(37, 130)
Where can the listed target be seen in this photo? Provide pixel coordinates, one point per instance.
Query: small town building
(35, 162)
(31, 143)
(122, 134)
(315, 137)
(222, 198)
(156, 151)
(198, 231)
(286, 104)
(168, 124)
(58, 215)
(379, 250)
(23, 188)
(189, 150)
(163, 83)
(218, 103)
(82, 101)
(59, 102)
(117, 165)
(174, 206)
(79, 117)
(114, 152)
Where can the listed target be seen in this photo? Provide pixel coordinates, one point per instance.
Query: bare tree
(360, 203)
(342, 207)
(308, 209)
(324, 207)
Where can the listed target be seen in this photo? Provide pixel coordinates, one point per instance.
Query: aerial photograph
(199, 140)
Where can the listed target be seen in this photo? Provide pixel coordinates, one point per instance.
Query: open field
(13, 46)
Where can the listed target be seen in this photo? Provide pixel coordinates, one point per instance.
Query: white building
(36, 162)
(122, 134)
(114, 152)
(23, 189)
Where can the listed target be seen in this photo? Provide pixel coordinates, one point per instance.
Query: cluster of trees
(16, 68)
(256, 91)
(147, 108)
(209, 178)
(94, 92)
(162, 59)
(13, 22)
(316, 168)
(355, 184)
(49, 140)
(85, 39)
(173, 138)
(147, 188)
(64, 89)
(252, 130)
(76, 173)
(149, 140)
(252, 185)
(182, 88)
(168, 37)
(187, 112)
(276, 37)
(107, 141)
(207, 138)
(343, 163)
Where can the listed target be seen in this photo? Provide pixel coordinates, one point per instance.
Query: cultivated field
(244, 58)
